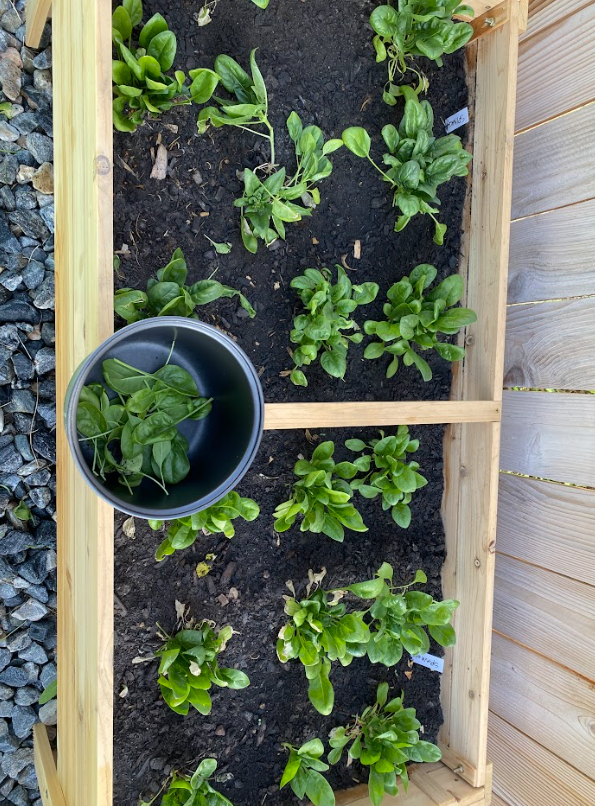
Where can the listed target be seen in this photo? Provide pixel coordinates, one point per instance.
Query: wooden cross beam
(37, 13)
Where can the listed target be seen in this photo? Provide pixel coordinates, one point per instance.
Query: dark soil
(317, 58)
(246, 728)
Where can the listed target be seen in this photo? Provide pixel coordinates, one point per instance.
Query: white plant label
(430, 662)
(456, 121)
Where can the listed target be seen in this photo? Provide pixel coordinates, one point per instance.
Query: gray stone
(45, 360)
(41, 146)
(17, 310)
(31, 610)
(7, 199)
(23, 719)
(23, 367)
(23, 447)
(25, 199)
(48, 713)
(9, 336)
(18, 641)
(28, 779)
(10, 73)
(5, 656)
(11, 20)
(47, 213)
(48, 673)
(8, 132)
(11, 280)
(19, 796)
(44, 444)
(47, 412)
(35, 654)
(10, 459)
(38, 479)
(26, 695)
(30, 223)
(35, 570)
(7, 240)
(38, 592)
(41, 497)
(8, 169)
(13, 764)
(33, 275)
(45, 537)
(14, 676)
(22, 399)
(25, 174)
(8, 743)
(43, 60)
(43, 297)
(26, 123)
(6, 708)
(6, 692)
(42, 81)
(7, 787)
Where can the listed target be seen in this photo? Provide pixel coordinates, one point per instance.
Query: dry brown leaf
(159, 171)
(124, 692)
(129, 528)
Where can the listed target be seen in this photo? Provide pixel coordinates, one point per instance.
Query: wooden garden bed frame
(84, 318)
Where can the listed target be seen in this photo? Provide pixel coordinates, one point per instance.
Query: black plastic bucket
(222, 446)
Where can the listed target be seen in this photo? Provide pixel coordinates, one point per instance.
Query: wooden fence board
(552, 254)
(546, 612)
(548, 173)
(551, 436)
(548, 702)
(549, 525)
(37, 13)
(550, 345)
(557, 69)
(543, 13)
(45, 768)
(529, 775)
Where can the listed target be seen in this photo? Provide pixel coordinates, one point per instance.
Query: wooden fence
(542, 720)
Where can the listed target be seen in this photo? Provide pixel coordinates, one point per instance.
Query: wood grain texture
(545, 701)
(549, 525)
(490, 20)
(550, 436)
(45, 768)
(543, 13)
(37, 13)
(550, 345)
(532, 606)
(340, 415)
(547, 173)
(526, 774)
(84, 318)
(551, 254)
(556, 69)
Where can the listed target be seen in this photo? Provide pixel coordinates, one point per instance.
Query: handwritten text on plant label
(457, 120)
(430, 662)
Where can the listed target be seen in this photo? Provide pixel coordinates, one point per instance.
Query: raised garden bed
(85, 290)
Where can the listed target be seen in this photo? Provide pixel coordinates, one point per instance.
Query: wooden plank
(551, 254)
(526, 774)
(84, 304)
(491, 20)
(545, 701)
(340, 415)
(486, 272)
(551, 436)
(532, 605)
(547, 524)
(37, 14)
(543, 13)
(45, 768)
(556, 69)
(550, 345)
(547, 173)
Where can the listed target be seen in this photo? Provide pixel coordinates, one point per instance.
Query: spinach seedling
(135, 434)
(303, 772)
(328, 307)
(141, 73)
(189, 667)
(195, 790)
(417, 162)
(216, 519)
(322, 497)
(417, 28)
(387, 473)
(169, 295)
(319, 632)
(385, 737)
(398, 617)
(414, 318)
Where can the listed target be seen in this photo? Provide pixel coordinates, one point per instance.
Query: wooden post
(84, 304)
(45, 768)
(37, 13)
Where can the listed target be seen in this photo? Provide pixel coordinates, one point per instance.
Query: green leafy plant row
(189, 668)
(417, 163)
(193, 790)
(216, 519)
(385, 737)
(416, 28)
(169, 295)
(135, 434)
(322, 630)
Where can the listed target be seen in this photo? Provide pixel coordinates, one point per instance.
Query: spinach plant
(195, 790)
(141, 73)
(322, 497)
(414, 319)
(388, 474)
(303, 772)
(417, 28)
(385, 737)
(268, 204)
(169, 295)
(321, 631)
(328, 307)
(135, 434)
(417, 162)
(216, 519)
(189, 667)
(398, 617)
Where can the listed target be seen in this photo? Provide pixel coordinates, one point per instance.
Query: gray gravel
(27, 403)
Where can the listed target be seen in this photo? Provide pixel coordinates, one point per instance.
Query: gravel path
(27, 403)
